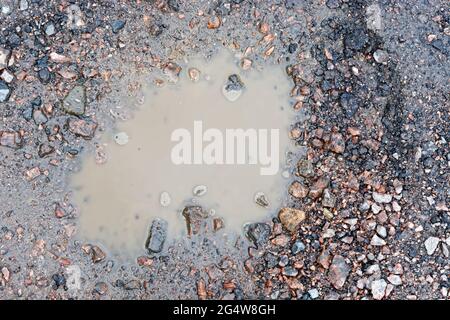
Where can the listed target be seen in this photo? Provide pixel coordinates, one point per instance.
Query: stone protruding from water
(157, 236)
(195, 216)
(233, 88)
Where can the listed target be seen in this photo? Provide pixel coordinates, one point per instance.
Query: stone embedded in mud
(32, 173)
(233, 88)
(157, 236)
(291, 218)
(305, 168)
(214, 22)
(194, 74)
(82, 128)
(95, 252)
(172, 71)
(258, 233)
(298, 190)
(195, 216)
(318, 187)
(10, 139)
(339, 271)
(218, 224)
(349, 103)
(261, 199)
(75, 101)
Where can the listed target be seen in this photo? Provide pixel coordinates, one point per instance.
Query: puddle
(139, 182)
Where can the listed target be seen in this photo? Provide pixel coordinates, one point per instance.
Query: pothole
(175, 152)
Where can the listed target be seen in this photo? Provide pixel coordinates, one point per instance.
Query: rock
(317, 188)
(290, 272)
(7, 76)
(121, 138)
(172, 71)
(194, 216)
(165, 199)
(305, 168)
(431, 245)
(324, 259)
(337, 143)
(261, 199)
(349, 103)
(157, 236)
(10, 139)
(378, 288)
(75, 101)
(246, 63)
(381, 56)
(373, 13)
(297, 247)
(39, 117)
(23, 5)
(194, 74)
(395, 279)
(338, 272)
(377, 241)
(100, 288)
(5, 92)
(4, 58)
(214, 22)
(32, 173)
(291, 218)
(298, 190)
(97, 254)
(313, 293)
(233, 88)
(117, 25)
(381, 197)
(258, 233)
(49, 29)
(44, 75)
(82, 128)
(328, 199)
(381, 231)
(199, 190)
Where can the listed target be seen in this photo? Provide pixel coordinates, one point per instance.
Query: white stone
(431, 244)
(165, 199)
(4, 55)
(121, 138)
(374, 20)
(377, 241)
(378, 288)
(199, 190)
(381, 197)
(395, 279)
(7, 76)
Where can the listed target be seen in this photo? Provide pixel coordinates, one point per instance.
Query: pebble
(44, 75)
(313, 293)
(199, 190)
(214, 22)
(338, 272)
(395, 279)
(349, 103)
(7, 76)
(381, 56)
(81, 127)
(290, 272)
(297, 247)
(328, 199)
(4, 58)
(261, 199)
(318, 187)
(121, 138)
(291, 218)
(23, 5)
(39, 117)
(75, 101)
(381, 231)
(258, 233)
(337, 143)
(117, 25)
(305, 168)
(377, 241)
(431, 245)
(157, 236)
(165, 199)
(298, 190)
(50, 29)
(381, 197)
(376, 208)
(233, 88)
(194, 74)
(5, 92)
(378, 288)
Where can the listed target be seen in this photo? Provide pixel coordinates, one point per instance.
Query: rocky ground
(368, 213)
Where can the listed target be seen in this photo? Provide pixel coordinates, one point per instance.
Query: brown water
(139, 182)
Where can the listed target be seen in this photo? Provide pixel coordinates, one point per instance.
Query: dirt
(368, 211)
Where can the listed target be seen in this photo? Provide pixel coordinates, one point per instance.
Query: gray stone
(4, 58)
(377, 241)
(378, 288)
(381, 56)
(233, 88)
(194, 216)
(75, 101)
(157, 236)
(297, 247)
(431, 245)
(50, 29)
(374, 20)
(381, 197)
(258, 233)
(338, 272)
(5, 92)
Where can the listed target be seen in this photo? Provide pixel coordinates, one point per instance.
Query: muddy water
(139, 182)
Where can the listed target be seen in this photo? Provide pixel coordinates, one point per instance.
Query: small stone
(194, 216)
(75, 101)
(381, 197)
(199, 190)
(431, 245)
(23, 5)
(291, 218)
(381, 56)
(328, 199)
(218, 224)
(100, 288)
(121, 138)
(317, 188)
(39, 117)
(246, 64)
(59, 58)
(6, 274)
(117, 25)
(290, 272)
(194, 74)
(4, 58)
(157, 236)
(214, 22)
(349, 103)
(338, 272)
(381, 231)
(59, 211)
(297, 247)
(7, 76)
(82, 128)
(373, 13)
(5, 92)
(377, 241)
(327, 214)
(305, 168)
(258, 233)
(233, 88)
(97, 254)
(298, 190)
(10, 139)
(32, 173)
(313, 293)
(165, 199)
(395, 279)
(50, 29)
(376, 208)
(324, 259)
(337, 143)
(44, 75)
(378, 289)
(172, 71)
(261, 199)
